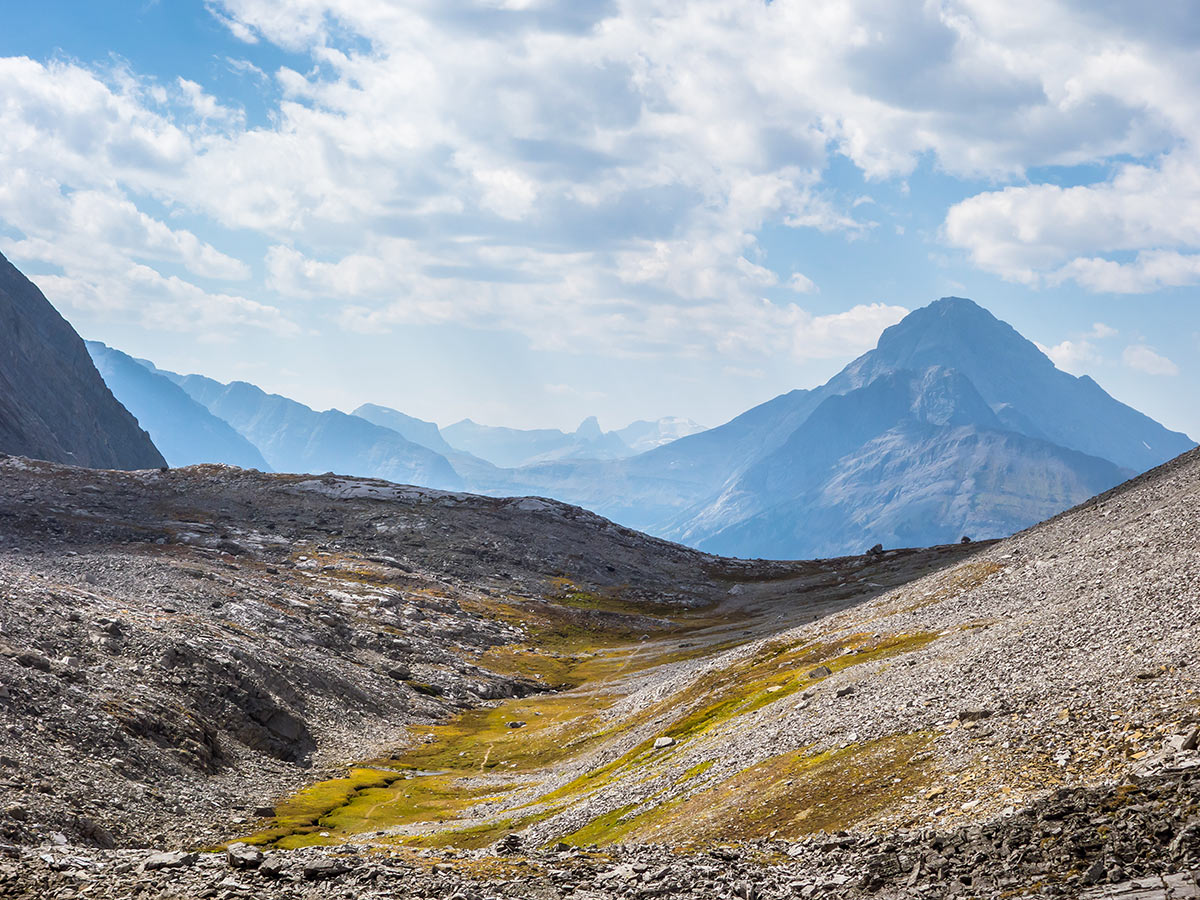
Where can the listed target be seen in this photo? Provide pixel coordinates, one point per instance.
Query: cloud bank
(599, 173)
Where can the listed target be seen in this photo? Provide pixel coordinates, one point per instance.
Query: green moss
(300, 815)
(605, 829)
(696, 771)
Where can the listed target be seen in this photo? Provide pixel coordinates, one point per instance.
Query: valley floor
(398, 692)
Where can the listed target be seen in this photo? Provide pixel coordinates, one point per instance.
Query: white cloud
(802, 284)
(164, 303)
(1145, 359)
(1075, 357)
(600, 172)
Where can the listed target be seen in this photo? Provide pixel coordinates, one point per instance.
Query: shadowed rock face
(53, 403)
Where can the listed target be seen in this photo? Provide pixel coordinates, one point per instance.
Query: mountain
(416, 430)
(1020, 383)
(515, 447)
(808, 473)
(909, 459)
(471, 444)
(476, 474)
(295, 438)
(183, 429)
(53, 403)
(645, 434)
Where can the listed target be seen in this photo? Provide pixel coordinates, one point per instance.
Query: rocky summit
(216, 682)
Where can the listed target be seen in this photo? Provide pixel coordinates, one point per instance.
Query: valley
(344, 672)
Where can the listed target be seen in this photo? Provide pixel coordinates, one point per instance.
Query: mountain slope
(1020, 382)
(183, 429)
(909, 459)
(294, 438)
(706, 484)
(458, 673)
(416, 430)
(53, 403)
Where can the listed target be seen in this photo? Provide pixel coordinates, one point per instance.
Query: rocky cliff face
(53, 403)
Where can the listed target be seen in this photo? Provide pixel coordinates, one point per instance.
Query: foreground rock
(1136, 841)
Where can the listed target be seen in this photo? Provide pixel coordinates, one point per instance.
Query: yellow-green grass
(786, 796)
(775, 672)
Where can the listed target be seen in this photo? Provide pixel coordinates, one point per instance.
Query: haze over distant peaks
(515, 447)
(954, 425)
(295, 438)
(183, 429)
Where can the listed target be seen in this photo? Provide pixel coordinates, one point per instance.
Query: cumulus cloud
(601, 171)
(1137, 229)
(1075, 357)
(1146, 359)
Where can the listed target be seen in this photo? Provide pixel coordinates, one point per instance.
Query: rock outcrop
(53, 403)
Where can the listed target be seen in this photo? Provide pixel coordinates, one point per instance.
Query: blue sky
(530, 211)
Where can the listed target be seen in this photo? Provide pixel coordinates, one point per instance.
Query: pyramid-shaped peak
(589, 429)
(956, 303)
(946, 330)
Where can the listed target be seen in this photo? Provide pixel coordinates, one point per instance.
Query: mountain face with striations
(53, 403)
(953, 425)
(183, 429)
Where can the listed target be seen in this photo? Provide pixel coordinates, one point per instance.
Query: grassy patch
(775, 672)
(299, 816)
(791, 795)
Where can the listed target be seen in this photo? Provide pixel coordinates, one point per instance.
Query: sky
(527, 212)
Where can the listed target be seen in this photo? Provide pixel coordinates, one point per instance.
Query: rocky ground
(1137, 840)
(181, 650)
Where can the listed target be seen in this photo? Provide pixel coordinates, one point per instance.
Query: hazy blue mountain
(515, 447)
(53, 403)
(782, 480)
(416, 430)
(1020, 382)
(646, 434)
(909, 458)
(477, 474)
(954, 424)
(183, 429)
(294, 438)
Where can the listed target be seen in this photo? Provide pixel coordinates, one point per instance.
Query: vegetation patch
(775, 672)
(298, 817)
(793, 794)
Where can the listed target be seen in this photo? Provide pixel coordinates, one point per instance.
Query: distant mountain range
(953, 425)
(513, 447)
(184, 431)
(294, 438)
(53, 403)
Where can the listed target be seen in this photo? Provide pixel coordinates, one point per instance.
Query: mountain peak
(956, 333)
(589, 429)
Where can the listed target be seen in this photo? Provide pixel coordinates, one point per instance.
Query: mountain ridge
(183, 429)
(54, 405)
